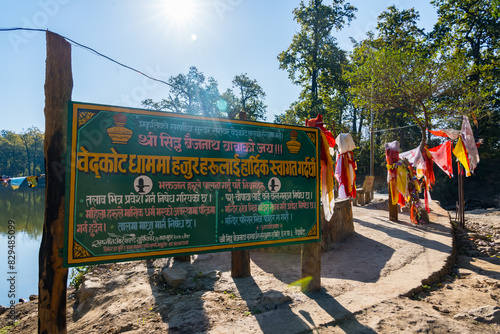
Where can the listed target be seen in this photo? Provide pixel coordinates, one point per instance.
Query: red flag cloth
(345, 173)
(430, 180)
(318, 123)
(451, 133)
(327, 171)
(442, 157)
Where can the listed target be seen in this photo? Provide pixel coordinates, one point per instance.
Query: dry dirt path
(388, 277)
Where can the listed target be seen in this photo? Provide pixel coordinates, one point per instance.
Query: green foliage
(314, 61)
(192, 94)
(412, 83)
(495, 8)
(7, 329)
(77, 275)
(21, 154)
(289, 116)
(249, 97)
(399, 28)
(471, 29)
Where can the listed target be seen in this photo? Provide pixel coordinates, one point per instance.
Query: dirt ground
(133, 297)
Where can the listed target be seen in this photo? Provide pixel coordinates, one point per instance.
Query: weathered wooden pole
(310, 264)
(240, 259)
(461, 196)
(52, 276)
(240, 263)
(393, 208)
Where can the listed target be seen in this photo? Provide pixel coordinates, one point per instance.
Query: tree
(471, 29)
(289, 116)
(470, 26)
(190, 94)
(399, 28)
(249, 97)
(391, 78)
(22, 154)
(313, 51)
(495, 8)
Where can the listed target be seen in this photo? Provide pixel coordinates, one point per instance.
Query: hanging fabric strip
(392, 157)
(441, 155)
(345, 173)
(345, 170)
(327, 184)
(450, 133)
(461, 153)
(15, 182)
(470, 144)
(416, 159)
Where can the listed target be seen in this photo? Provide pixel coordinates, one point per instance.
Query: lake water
(25, 207)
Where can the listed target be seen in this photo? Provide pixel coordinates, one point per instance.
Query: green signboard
(146, 184)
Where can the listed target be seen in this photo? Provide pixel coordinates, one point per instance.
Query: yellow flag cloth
(32, 181)
(461, 153)
(393, 188)
(402, 181)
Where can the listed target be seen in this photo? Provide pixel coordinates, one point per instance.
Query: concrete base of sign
(340, 226)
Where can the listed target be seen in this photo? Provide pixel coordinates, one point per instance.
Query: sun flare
(180, 10)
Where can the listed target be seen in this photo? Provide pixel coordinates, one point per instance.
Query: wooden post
(310, 261)
(461, 196)
(52, 276)
(393, 209)
(240, 263)
(240, 259)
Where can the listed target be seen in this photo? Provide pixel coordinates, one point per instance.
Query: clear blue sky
(222, 38)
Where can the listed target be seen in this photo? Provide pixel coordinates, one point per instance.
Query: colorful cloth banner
(450, 133)
(470, 144)
(318, 123)
(461, 153)
(327, 172)
(416, 159)
(345, 170)
(16, 182)
(327, 185)
(392, 157)
(442, 157)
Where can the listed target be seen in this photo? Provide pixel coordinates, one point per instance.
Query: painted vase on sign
(119, 134)
(293, 145)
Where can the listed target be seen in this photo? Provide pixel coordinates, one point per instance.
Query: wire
(91, 50)
(392, 129)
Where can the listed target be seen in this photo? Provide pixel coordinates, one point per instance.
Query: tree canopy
(389, 78)
(195, 95)
(313, 59)
(21, 154)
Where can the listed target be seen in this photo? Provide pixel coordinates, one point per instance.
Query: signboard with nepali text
(147, 184)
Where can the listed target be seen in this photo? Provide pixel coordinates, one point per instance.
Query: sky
(162, 38)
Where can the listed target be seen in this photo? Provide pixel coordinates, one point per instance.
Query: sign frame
(76, 254)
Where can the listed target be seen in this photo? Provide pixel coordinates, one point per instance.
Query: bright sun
(180, 10)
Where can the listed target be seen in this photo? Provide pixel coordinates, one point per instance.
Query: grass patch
(76, 276)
